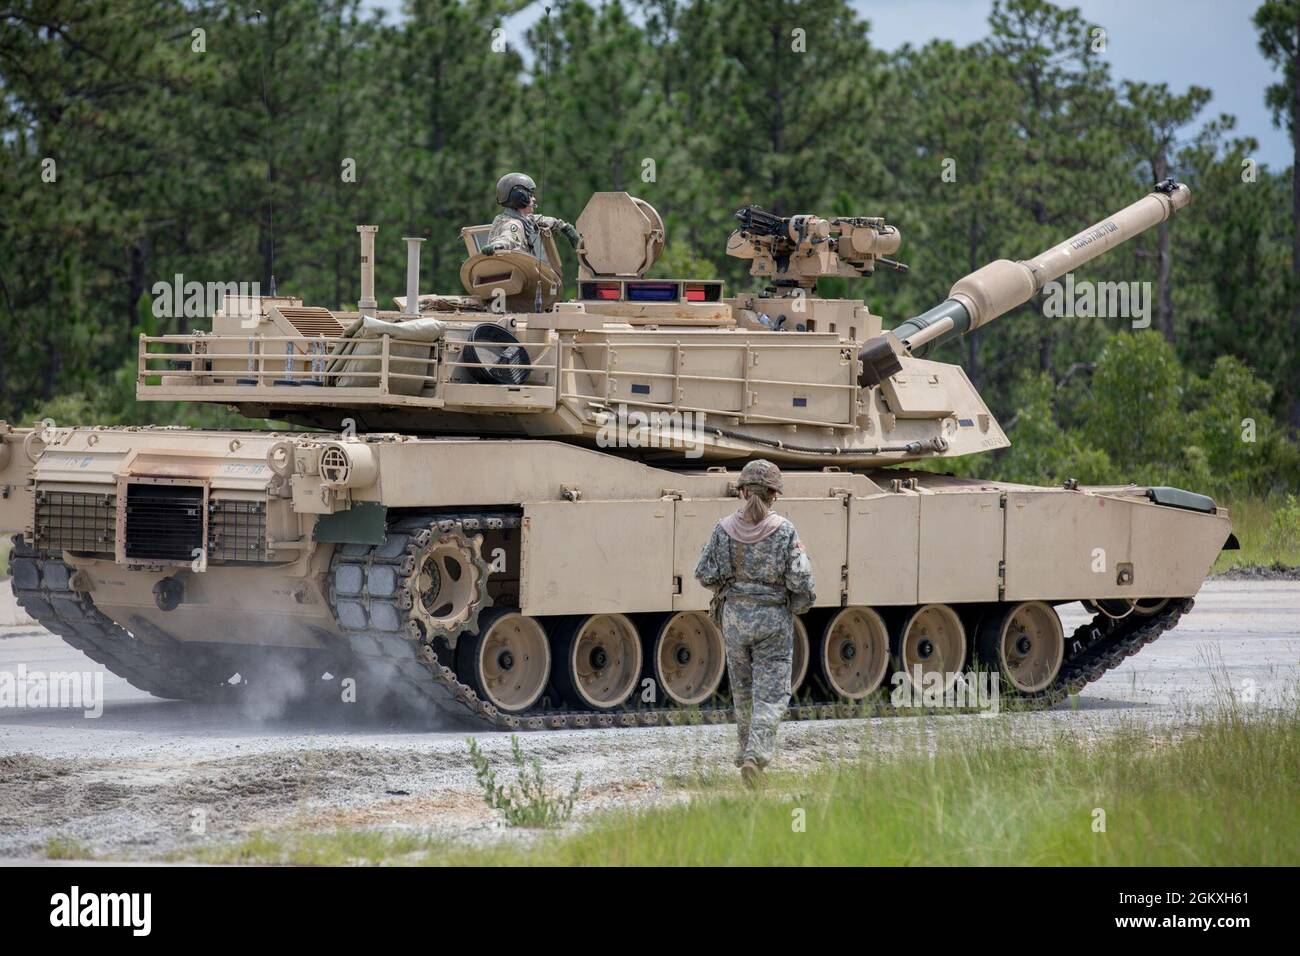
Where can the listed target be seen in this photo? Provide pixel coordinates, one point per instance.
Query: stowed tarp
(404, 357)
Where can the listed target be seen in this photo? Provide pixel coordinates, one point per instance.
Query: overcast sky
(1179, 42)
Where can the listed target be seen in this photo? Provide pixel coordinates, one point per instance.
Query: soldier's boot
(751, 774)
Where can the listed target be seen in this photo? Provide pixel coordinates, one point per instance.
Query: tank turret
(722, 375)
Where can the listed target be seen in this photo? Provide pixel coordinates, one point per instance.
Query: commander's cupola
(622, 238)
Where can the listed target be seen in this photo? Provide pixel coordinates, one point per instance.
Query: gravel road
(137, 781)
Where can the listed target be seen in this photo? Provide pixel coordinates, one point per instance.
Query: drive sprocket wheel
(448, 582)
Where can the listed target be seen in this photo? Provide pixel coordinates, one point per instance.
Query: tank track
(43, 588)
(368, 590)
(1099, 646)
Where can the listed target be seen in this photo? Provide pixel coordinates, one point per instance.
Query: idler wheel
(1149, 607)
(507, 661)
(689, 658)
(1115, 608)
(853, 654)
(598, 660)
(1026, 643)
(932, 638)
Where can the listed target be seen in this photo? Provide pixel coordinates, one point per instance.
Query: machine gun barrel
(997, 288)
(758, 222)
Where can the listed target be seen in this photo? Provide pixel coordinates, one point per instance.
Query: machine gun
(797, 250)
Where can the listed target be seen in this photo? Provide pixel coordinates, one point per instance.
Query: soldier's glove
(572, 235)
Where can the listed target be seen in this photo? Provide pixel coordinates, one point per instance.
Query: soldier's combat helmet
(515, 190)
(763, 473)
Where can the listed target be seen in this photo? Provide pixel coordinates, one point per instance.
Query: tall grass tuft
(526, 803)
(1216, 790)
(1218, 793)
(1269, 532)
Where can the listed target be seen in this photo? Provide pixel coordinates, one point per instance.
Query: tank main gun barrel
(997, 288)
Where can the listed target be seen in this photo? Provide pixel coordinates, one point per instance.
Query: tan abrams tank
(503, 513)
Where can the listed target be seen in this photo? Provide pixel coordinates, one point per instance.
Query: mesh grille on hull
(86, 523)
(163, 522)
(236, 530)
(76, 521)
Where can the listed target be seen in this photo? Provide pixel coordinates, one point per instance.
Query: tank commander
(519, 227)
(760, 577)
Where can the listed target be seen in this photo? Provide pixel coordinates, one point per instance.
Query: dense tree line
(144, 138)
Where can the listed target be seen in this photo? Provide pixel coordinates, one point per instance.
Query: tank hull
(290, 560)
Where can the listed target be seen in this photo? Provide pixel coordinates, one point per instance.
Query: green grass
(1267, 530)
(336, 848)
(66, 848)
(1218, 793)
(5, 546)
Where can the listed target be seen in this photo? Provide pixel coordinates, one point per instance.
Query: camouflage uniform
(760, 586)
(513, 231)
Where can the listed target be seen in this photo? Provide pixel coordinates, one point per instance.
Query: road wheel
(1025, 643)
(932, 638)
(853, 653)
(689, 658)
(508, 661)
(598, 660)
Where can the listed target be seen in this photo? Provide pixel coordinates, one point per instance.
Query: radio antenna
(270, 154)
(546, 94)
